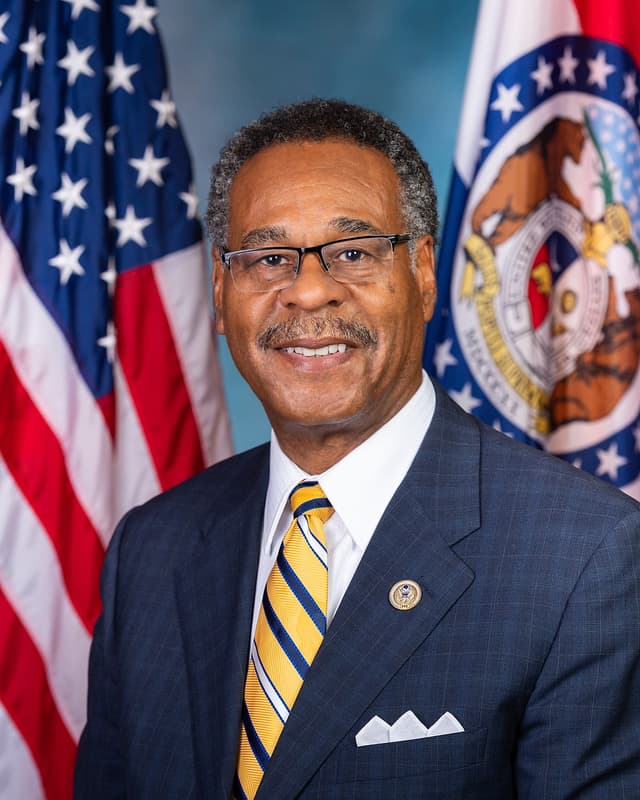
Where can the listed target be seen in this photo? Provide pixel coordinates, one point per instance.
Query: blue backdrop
(230, 61)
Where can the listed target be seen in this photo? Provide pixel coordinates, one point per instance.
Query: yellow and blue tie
(290, 628)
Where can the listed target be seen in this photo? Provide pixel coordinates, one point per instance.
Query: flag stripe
(25, 694)
(615, 22)
(151, 368)
(186, 306)
(134, 473)
(19, 776)
(48, 371)
(36, 462)
(31, 578)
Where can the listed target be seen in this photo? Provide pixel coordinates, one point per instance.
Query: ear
(218, 289)
(425, 272)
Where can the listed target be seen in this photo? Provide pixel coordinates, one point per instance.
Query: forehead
(302, 186)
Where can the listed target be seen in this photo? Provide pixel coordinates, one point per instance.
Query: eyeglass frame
(393, 239)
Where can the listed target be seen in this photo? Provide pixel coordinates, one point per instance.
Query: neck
(317, 448)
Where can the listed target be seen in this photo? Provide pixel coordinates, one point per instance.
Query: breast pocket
(414, 757)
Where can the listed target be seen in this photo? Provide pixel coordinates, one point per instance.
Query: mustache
(280, 333)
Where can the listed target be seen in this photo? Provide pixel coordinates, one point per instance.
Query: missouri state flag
(109, 384)
(537, 328)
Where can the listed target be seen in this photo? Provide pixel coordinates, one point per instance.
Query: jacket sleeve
(580, 734)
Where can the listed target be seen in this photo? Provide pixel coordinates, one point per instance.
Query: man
(477, 635)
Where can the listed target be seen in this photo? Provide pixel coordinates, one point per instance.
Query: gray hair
(317, 120)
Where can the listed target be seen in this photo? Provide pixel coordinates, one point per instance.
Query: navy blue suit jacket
(528, 632)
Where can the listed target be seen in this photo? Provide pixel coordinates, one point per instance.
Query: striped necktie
(289, 631)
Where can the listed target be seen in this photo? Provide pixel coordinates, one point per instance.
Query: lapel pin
(405, 595)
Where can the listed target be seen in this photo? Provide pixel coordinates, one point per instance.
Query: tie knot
(309, 499)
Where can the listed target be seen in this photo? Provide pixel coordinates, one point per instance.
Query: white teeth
(317, 351)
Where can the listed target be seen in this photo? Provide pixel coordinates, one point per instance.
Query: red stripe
(107, 404)
(150, 363)
(36, 461)
(25, 694)
(616, 21)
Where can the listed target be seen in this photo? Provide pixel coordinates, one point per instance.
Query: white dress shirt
(360, 487)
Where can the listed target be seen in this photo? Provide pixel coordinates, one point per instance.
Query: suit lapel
(215, 594)
(369, 640)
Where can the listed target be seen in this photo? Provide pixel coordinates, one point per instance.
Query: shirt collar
(361, 485)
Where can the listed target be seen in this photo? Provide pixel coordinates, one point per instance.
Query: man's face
(303, 194)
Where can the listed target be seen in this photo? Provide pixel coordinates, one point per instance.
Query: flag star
(73, 130)
(22, 179)
(191, 199)
(568, 65)
(542, 75)
(109, 146)
(507, 101)
(109, 276)
(140, 16)
(76, 62)
(109, 342)
(610, 461)
(33, 48)
(110, 212)
(599, 70)
(149, 167)
(630, 88)
(465, 398)
(120, 74)
(78, 6)
(443, 358)
(4, 18)
(166, 109)
(68, 261)
(70, 194)
(26, 113)
(577, 463)
(130, 228)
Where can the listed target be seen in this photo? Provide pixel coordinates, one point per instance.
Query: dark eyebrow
(350, 225)
(263, 236)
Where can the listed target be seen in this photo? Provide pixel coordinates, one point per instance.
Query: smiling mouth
(314, 352)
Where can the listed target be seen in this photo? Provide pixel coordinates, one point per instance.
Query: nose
(313, 287)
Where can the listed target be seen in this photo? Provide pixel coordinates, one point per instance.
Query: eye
(273, 259)
(352, 255)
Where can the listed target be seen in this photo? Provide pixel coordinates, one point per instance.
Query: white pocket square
(406, 727)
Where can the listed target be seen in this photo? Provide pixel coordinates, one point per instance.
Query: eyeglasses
(361, 259)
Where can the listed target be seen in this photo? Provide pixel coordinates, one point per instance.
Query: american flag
(109, 384)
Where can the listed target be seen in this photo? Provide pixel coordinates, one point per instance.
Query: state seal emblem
(546, 277)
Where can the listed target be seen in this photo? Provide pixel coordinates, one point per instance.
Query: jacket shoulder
(193, 506)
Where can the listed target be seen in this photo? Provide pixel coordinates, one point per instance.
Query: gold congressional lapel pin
(405, 595)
